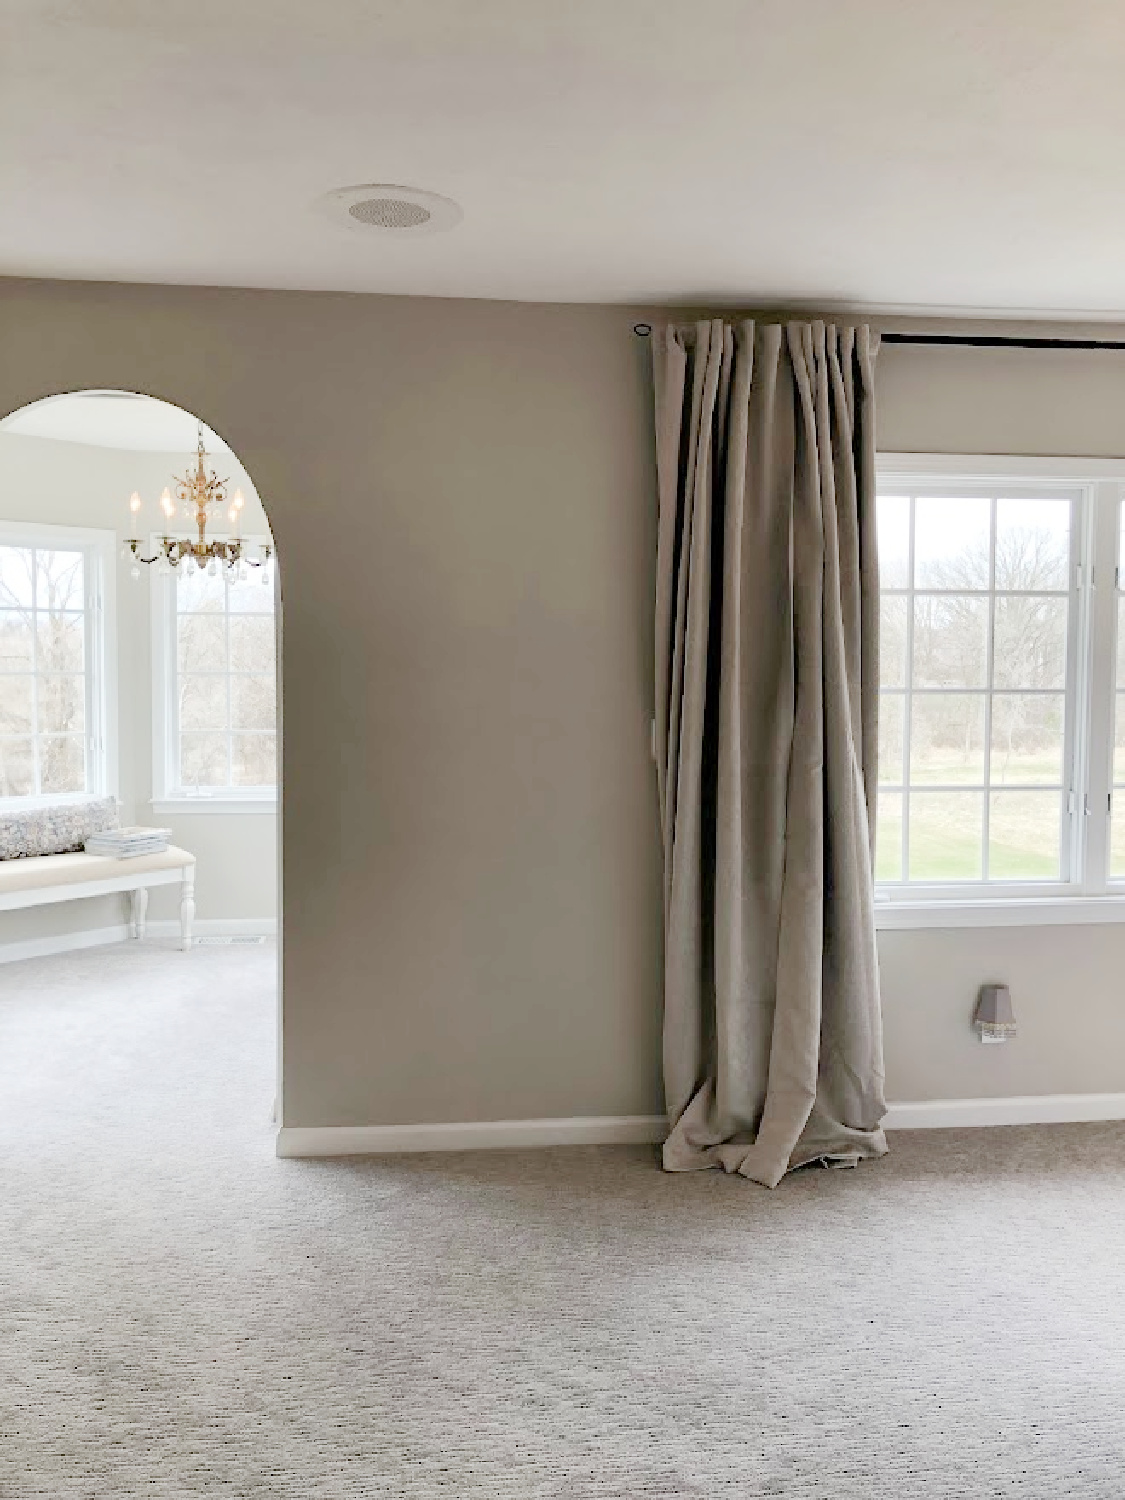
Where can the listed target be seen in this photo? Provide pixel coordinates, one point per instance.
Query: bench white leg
(187, 908)
(140, 907)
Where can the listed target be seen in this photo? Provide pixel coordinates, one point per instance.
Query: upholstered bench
(45, 878)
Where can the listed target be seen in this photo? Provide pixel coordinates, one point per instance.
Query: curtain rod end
(642, 330)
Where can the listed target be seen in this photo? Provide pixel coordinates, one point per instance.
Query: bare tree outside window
(1117, 818)
(976, 615)
(225, 685)
(43, 671)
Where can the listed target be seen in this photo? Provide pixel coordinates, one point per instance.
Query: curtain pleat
(766, 741)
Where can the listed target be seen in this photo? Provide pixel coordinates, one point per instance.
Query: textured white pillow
(60, 829)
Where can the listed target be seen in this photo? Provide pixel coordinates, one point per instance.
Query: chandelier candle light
(201, 495)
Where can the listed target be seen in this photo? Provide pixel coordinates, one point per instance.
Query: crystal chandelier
(200, 495)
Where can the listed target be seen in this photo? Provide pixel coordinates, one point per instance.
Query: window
(219, 686)
(1117, 794)
(56, 598)
(999, 686)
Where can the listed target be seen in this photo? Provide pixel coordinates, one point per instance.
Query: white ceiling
(890, 153)
(113, 419)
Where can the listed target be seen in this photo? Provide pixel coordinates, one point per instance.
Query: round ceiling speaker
(399, 211)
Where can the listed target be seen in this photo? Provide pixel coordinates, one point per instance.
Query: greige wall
(460, 494)
(462, 499)
(75, 484)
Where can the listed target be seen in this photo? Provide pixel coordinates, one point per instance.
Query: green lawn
(951, 768)
(946, 836)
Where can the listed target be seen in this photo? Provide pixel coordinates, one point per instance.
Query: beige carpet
(181, 1314)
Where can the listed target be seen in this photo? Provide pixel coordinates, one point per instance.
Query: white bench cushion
(42, 871)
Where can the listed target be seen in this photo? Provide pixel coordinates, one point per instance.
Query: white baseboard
(204, 927)
(469, 1135)
(97, 937)
(1016, 1109)
(62, 942)
(643, 1130)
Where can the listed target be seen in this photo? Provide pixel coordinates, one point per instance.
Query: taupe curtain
(767, 607)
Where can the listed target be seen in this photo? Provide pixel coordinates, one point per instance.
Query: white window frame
(1087, 893)
(169, 800)
(100, 570)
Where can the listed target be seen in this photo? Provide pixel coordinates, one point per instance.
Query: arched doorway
(127, 671)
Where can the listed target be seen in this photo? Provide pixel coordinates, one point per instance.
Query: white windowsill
(10, 805)
(1023, 911)
(215, 807)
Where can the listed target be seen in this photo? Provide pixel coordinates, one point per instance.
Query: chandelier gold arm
(176, 549)
(197, 491)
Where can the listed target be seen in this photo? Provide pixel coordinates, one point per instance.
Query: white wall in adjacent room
(59, 483)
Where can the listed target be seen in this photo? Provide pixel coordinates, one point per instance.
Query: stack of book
(127, 843)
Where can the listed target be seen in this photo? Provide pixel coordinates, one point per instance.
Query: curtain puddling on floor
(767, 614)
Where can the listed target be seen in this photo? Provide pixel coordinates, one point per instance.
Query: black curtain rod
(970, 340)
(999, 341)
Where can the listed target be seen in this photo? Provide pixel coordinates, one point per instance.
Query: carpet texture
(181, 1314)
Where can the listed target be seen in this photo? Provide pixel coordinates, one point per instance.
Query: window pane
(1117, 838)
(1121, 636)
(61, 642)
(1119, 740)
(946, 835)
(203, 702)
(15, 705)
(1024, 835)
(227, 681)
(252, 643)
(203, 760)
(892, 713)
(252, 703)
(978, 706)
(893, 514)
(888, 837)
(253, 596)
(199, 591)
(43, 670)
(1030, 645)
(62, 704)
(1027, 739)
(950, 641)
(254, 760)
(17, 768)
(951, 543)
(59, 580)
(202, 643)
(15, 640)
(947, 739)
(1033, 544)
(62, 764)
(17, 571)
